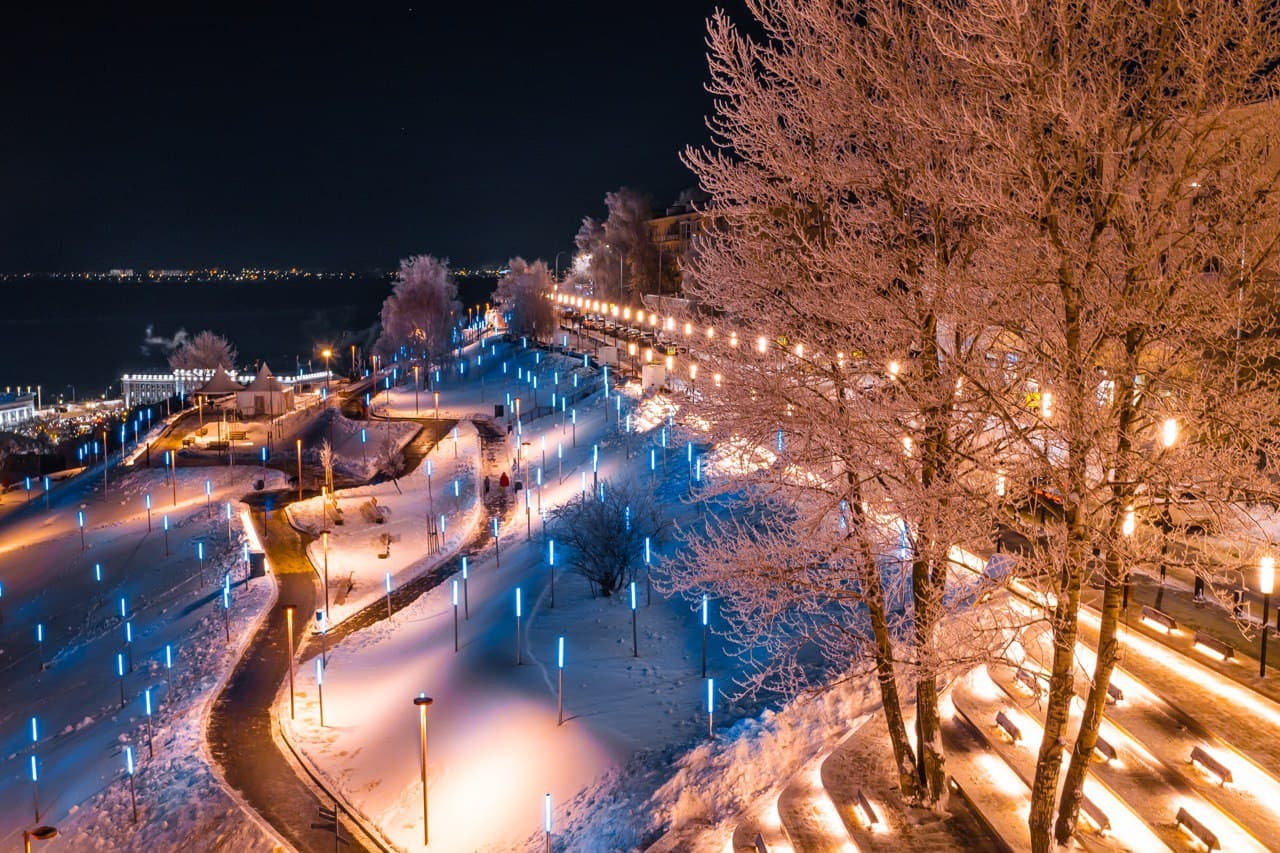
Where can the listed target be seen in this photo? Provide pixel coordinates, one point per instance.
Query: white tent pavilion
(265, 395)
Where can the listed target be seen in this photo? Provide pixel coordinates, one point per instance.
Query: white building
(16, 409)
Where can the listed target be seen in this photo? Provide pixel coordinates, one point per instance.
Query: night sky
(340, 137)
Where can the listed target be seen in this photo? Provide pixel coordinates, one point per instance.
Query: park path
(240, 732)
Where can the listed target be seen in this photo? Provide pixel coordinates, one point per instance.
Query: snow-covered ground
(356, 568)
(81, 724)
(357, 444)
(494, 722)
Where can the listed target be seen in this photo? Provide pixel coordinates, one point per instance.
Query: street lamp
(327, 353)
(1266, 584)
(40, 833)
(423, 701)
(560, 669)
(1168, 436)
(288, 621)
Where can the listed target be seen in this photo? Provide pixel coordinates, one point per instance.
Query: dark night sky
(338, 137)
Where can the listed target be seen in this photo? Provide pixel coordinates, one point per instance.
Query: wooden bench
(372, 512)
(238, 435)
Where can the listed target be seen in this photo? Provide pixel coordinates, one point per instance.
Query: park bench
(372, 512)
(384, 546)
(238, 435)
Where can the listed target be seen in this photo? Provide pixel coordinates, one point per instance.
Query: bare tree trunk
(1061, 689)
(1087, 739)
(890, 698)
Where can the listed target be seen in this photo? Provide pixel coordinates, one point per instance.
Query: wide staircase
(1186, 762)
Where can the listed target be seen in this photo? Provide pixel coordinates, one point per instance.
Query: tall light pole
(288, 622)
(1266, 584)
(560, 669)
(1168, 435)
(320, 686)
(423, 701)
(298, 445)
(40, 833)
(327, 353)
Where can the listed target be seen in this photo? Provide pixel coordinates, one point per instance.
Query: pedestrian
(486, 484)
(504, 481)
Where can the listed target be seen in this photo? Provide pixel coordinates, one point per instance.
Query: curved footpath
(241, 733)
(240, 726)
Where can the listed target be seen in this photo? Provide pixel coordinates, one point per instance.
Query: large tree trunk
(1057, 712)
(1095, 705)
(886, 674)
(886, 677)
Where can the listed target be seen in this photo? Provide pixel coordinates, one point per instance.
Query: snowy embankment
(362, 550)
(358, 444)
(180, 798)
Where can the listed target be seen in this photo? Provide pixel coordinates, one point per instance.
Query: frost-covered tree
(523, 294)
(959, 251)
(621, 245)
(1125, 163)
(849, 297)
(205, 351)
(602, 535)
(421, 311)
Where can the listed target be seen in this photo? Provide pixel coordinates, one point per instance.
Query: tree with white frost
(205, 351)
(619, 254)
(848, 297)
(1125, 167)
(422, 309)
(958, 251)
(522, 295)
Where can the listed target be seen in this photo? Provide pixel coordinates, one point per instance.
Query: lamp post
(497, 553)
(546, 821)
(455, 615)
(120, 672)
(1266, 585)
(40, 833)
(298, 445)
(416, 383)
(128, 642)
(711, 708)
(635, 636)
(164, 523)
(466, 600)
(288, 628)
(324, 537)
(327, 353)
(320, 686)
(519, 647)
(704, 636)
(146, 697)
(168, 669)
(226, 604)
(560, 670)
(387, 582)
(1126, 527)
(35, 786)
(423, 701)
(80, 520)
(551, 568)
(133, 791)
(1168, 435)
